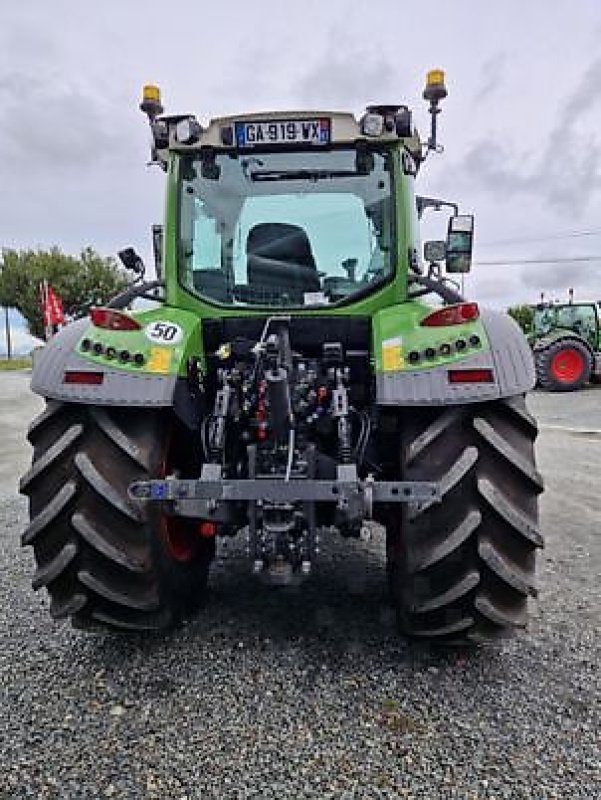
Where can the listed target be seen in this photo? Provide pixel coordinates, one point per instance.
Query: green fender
(145, 367)
(413, 364)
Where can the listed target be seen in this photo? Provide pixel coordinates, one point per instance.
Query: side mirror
(460, 242)
(132, 261)
(435, 252)
(157, 249)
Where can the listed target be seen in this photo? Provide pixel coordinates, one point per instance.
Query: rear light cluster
(451, 315)
(111, 353)
(444, 350)
(112, 320)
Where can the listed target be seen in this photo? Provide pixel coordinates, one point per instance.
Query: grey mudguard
(509, 357)
(118, 388)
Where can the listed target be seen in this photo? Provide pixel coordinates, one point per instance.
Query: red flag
(52, 307)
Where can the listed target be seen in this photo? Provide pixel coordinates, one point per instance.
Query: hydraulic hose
(290, 454)
(448, 294)
(124, 299)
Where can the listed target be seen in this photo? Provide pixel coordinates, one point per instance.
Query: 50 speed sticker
(166, 333)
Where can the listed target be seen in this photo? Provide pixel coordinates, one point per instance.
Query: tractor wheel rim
(180, 539)
(178, 535)
(567, 366)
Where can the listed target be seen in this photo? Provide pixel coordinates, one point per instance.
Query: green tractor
(566, 340)
(295, 383)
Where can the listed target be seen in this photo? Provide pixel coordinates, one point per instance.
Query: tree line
(523, 315)
(80, 281)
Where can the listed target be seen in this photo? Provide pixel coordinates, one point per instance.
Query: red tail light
(87, 378)
(113, 320)
(471, 376)
(451, 315)
(207, 530)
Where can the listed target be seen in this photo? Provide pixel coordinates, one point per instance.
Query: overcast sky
(521, 125)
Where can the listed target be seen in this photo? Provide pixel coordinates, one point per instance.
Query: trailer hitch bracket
(193, 497)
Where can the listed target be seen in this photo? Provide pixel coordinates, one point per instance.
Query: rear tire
(461, 571)
(563, 366)
(105, 559)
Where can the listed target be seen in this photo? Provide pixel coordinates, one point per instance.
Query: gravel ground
(310, 693)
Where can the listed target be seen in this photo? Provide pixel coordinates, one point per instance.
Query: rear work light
(451, 315)
(471, 376)
(113, 320)
(84, 377)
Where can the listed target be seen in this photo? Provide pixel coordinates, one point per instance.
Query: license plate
(283, 131)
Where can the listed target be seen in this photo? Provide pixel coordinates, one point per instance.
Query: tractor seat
(280, 262)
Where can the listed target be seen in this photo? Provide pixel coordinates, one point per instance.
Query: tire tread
(100, 555)
(463, 569)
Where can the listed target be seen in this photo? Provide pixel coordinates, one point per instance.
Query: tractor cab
(299, 210)
(286, 230)
(581, 318)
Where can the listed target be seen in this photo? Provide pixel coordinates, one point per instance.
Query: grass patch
(14, 363)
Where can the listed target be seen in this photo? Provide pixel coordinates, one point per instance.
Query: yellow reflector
(435, 77)
(160, 360)
(151, 94)
(392, 354)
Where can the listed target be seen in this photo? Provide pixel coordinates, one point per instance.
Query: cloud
(547, 277)
(55, 125)
(566, 173)
(342, 74)
(346, 76)
(585, 96)
(54, 119)
(491, 286)
(492, 77)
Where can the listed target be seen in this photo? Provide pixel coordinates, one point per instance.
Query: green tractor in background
(296, 382)
(566, 340)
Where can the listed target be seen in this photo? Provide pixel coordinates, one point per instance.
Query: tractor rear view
(305, 376)
(566, 340)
